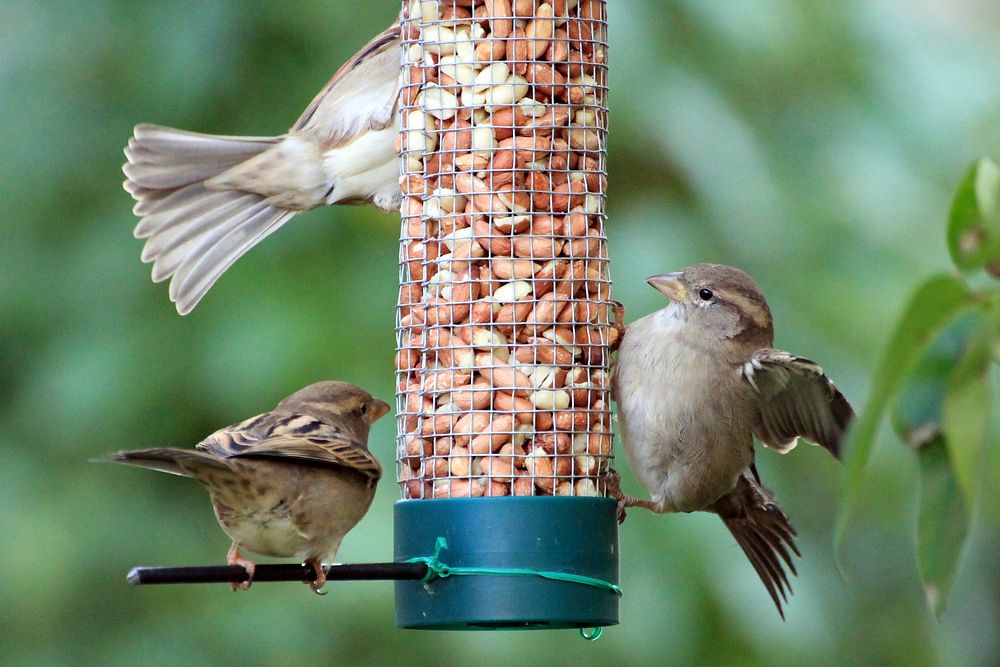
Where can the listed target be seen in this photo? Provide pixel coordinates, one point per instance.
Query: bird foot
(614, 481)
(320, 580)
(620, 513)
(234, 558)
(618, 311)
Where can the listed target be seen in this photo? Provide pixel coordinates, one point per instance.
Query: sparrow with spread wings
(694, 383)
(206, 200)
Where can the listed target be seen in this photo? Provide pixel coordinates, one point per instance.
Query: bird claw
(320, 580)
(618, 311)
(234, 558)
(620, 511)
(614, 483)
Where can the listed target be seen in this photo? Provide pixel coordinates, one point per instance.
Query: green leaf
(974, 219)
(917, 410)
(942, 411)
(935, 302)
(942, 524)
(966, 407)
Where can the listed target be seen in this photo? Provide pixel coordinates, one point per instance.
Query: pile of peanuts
(503, 325)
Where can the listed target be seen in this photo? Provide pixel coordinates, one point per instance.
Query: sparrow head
(721, 302)
(337, 403)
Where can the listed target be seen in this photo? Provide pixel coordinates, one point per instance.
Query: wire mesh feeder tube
(503, 320)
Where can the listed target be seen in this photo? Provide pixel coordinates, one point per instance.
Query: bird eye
(363, 409)
(705, 294)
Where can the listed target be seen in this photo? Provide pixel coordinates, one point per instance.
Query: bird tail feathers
(764, 532)
(194, 233)
(183, 462)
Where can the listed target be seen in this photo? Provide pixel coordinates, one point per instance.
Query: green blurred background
(814, 144)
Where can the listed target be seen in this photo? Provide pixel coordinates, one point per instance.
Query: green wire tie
(438, 570)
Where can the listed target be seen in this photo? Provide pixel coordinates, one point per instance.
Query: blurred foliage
(936, 372)
(815, 145)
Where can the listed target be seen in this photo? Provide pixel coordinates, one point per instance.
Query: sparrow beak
(669, 284)
(379, 409)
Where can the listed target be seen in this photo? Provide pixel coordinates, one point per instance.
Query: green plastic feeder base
(575, 535)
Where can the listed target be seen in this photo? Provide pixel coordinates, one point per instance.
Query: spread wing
(796, 399)
(292, 437)
(361, 95)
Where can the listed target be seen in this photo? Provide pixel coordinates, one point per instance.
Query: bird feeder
(503, 334)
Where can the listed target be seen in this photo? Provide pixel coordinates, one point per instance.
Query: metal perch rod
(223, 574)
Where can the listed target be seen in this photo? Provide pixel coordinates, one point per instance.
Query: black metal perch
(224, 574)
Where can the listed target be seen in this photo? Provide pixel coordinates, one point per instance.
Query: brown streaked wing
(236, 438)
(292, 436)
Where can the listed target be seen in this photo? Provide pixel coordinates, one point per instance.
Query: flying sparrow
(206, 200)
(694, 382)
(289, 482)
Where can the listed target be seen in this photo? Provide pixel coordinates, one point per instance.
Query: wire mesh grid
(502, 325)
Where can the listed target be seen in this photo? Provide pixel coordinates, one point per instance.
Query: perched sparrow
(206, 200)
(289, 482)
(694, 382)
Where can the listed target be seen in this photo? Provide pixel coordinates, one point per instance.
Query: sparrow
(206, 200)
(289, 482)
(694, 383)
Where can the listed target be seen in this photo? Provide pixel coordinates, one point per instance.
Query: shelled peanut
(503, 329)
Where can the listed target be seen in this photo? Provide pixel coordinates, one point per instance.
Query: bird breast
(285, 509)
(682, 412)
